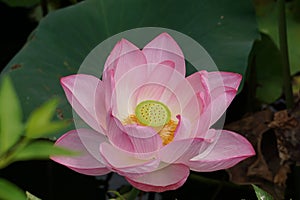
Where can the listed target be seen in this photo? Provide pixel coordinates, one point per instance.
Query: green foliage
(261, 194)
(267, 20)
(21, 3)
(267, 67)
(129, 195)
(11, 126)
(9, 191)
(119, 196)
(31, 196)
(16, 146)
(226, 29)
(41, 150)
(40, 122)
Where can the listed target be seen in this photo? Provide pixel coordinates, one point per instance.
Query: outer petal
(109, 87)
(85, 94)
(85, 163)
(181, 151)
(170, 177)
(162, 48)
(203, 80)
(223, 87)
(221, 99)
(122, 58)
(192, 110)
(199, 82)
(228, 149)
(123, 162)
(226, 79)
(216, 91)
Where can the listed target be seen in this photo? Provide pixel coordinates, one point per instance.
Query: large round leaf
(226, 29)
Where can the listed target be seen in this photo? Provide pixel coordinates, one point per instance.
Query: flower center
(152, 113)
(157, 115)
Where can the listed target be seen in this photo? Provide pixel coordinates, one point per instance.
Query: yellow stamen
(131, 119)
(167, 132)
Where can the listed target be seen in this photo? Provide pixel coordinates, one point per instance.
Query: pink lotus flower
(150, 123)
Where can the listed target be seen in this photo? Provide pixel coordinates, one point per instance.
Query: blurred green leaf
(268, 69)
(261, 194)
(119, 196)
(11, 125)
(296, 85)
(31, 196)
(267, 21)
(226, 29)
(21, 3)
(40, 122)
(9, 191)
(41, 150)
